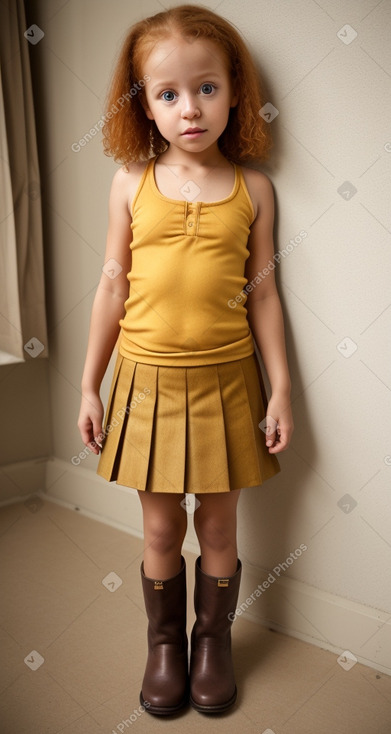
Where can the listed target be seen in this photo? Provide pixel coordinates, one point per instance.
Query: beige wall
(25, 433)
(334, 104)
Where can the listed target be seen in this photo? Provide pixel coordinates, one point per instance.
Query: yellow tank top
(188, 261)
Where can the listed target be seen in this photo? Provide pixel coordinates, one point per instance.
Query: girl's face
(189, 88)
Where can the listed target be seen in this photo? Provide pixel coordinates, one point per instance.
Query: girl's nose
(189, 107)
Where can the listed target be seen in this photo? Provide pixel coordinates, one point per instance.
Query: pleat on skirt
(186, 429)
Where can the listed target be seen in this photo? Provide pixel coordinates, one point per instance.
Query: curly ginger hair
(128, 135)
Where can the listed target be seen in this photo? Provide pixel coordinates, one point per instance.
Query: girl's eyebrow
(171, 83)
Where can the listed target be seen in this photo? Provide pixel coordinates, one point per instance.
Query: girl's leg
(215, 525)
(217, 579)
(164, 688)
(165, 523)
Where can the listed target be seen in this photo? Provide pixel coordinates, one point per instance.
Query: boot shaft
(214, 601)
(166, 606)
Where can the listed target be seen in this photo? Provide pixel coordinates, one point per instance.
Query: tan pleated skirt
(186, 429)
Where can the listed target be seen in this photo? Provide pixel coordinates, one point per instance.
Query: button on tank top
(188, 262)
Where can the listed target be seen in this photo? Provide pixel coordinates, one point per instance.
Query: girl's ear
(235, 97)
(148, 113)
(145, 107)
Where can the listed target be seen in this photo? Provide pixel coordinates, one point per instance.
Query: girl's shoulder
(259, 186)
(255, 177)
(127, 178)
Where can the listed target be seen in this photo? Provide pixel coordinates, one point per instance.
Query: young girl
(189, 229)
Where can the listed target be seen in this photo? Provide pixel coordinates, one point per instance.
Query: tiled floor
(92, 639)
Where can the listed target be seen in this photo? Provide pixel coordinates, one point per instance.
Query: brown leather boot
(212, 680)
(165, 686)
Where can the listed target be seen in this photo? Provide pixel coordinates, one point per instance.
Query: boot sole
(163, 710)
(218, 709)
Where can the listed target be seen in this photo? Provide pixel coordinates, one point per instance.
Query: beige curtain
(23, 330)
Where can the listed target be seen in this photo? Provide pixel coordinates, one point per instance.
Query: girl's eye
(168, 96)
(207, 88)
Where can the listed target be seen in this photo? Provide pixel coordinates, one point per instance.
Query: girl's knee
(164, 534)
(214, 533)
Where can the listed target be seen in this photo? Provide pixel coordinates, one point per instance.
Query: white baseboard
(319, 618)
(21, 479)
(289, 606)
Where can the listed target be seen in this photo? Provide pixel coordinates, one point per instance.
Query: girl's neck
(204, 159)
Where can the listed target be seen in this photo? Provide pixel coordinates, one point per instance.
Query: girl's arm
(107, 310)
(265, 316)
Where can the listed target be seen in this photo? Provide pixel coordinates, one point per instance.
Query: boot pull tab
(158, 585)
(223, 582)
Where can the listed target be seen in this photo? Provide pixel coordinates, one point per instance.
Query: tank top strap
(145, 177)
(242, 188)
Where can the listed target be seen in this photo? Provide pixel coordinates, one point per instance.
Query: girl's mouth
(194, 132)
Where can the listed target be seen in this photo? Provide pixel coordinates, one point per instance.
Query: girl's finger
(270, 430)
(86, 435)
(283, 439)
(94, 447)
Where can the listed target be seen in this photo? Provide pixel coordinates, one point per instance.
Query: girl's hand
(90, 421)
(279, 424)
